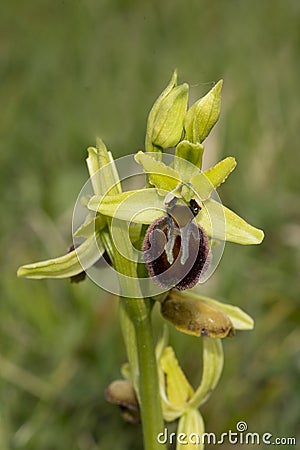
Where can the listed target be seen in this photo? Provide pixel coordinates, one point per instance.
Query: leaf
(221, 223)
(159, 174)
(138, 206)
(205, 182)
(68, 265)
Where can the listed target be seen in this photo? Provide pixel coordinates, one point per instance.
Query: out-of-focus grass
(73, 70)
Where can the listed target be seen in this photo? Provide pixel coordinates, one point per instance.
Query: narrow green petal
(159, 174)
(179, 390)
(139, 206)
(220, 222)
(205, 182)
(213, 360)
(102, 170)
(68, 265)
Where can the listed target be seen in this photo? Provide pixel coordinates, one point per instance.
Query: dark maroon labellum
(176, 248)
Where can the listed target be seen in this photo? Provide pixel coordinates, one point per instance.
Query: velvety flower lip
(176, 248)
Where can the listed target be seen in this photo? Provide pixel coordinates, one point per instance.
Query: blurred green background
(74, 70)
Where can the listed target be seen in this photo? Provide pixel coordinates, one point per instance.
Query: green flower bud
(168, 124)
(203, 115)
(196, 316)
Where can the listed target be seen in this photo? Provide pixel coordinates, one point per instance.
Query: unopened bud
(168, 123)
(203, 115)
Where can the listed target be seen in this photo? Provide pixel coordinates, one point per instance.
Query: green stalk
(139, 312)
(135, 316)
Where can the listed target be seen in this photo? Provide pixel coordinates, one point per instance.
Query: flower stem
(139, 311)
(135, 316)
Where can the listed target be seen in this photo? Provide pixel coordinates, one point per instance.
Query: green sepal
(213, 361)
(138, 206)
(203, 115)
(159, 174)
(102, 170)
(88, 253)
(91, 224)
(205, 182)
(190, 431)
(221, 223)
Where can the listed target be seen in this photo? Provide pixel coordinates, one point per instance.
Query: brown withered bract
(121, 393)
(196, 316)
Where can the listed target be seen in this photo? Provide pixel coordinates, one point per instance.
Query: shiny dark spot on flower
(194, 207)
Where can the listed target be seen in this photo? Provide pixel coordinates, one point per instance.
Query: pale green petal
(190, 431)
(205, 182)
(139, 206)
(178, 389)
(102, 170)
(213, 360)
(220, 222)
(68, 265)
(159, 174)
